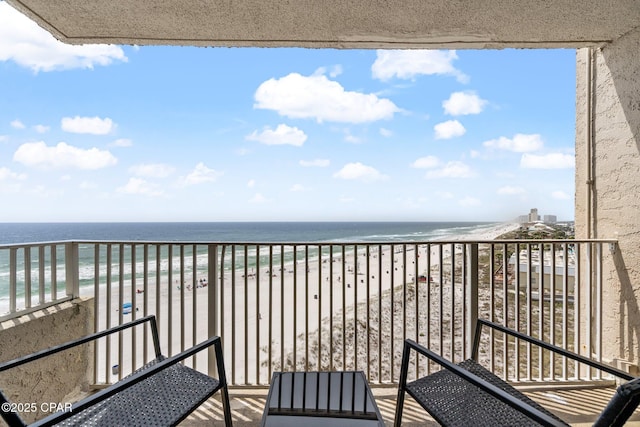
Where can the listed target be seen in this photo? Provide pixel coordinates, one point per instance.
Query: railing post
(471, 304)
(72, 266)
(212, 304)
(13, 282)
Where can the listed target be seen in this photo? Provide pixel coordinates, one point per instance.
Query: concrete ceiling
(337, 23)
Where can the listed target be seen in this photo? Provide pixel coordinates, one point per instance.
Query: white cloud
(199, 175)
(445, 194)
(282, 135)
(41, 128)
(427, 162)
(547, 161)
(520, 143)
(91, 125)
(474, 154)
(38, 154)
(122, 142)
(258, 199)
(463, 103)
(454, 169)
(17, 124)
(297, 188)
(560, 195)
(412, 202)
(334, 71)
(348, 137)
(408, 64)
(251, 183)
(41, 190)
(449, 129)
(10, 181)
(24, 42)
(87, 185)
(360, 172)
(4, 138)
(140, 186)
(509, 190)
(157, 170)
(386, 132)
(320, 163)
(6, 174)
(504, 174)
(317, 97)
(469, 202)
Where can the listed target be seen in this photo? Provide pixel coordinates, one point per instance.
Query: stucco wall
(54, 379)
(614, 211)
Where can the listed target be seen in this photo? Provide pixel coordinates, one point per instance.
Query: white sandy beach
(282, 303)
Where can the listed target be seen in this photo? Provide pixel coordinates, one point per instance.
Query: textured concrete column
(608, 183)
(61, 378)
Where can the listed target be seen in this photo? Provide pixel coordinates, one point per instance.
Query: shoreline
(489, 232)
(246, 302)
(304, 291)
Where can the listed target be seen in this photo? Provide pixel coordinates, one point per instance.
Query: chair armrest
(56, 349)
(136, 378)
(500, 394)
(607, 368)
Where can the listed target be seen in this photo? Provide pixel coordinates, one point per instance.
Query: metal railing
(36, 276)
(324, 306)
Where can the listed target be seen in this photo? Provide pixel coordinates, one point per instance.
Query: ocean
(216, 232)
(236, 232)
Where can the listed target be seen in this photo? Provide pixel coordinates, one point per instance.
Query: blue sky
(126, 133)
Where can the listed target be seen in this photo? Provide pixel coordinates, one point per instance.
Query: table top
(320, 399)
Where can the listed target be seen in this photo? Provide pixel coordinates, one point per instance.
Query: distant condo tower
(533, 216)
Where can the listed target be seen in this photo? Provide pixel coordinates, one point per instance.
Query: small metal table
(320, 399)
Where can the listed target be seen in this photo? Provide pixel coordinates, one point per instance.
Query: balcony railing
(323, 306)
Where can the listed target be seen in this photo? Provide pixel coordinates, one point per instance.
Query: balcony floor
(577, 407)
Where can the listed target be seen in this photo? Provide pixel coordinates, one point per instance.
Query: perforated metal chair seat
(161, 393)
(454, 401)
(468, 394)
(160, 400)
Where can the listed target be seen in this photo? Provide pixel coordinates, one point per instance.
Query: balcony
(577, 407)
(311, 306)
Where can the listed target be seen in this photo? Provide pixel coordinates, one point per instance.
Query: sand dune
(269, 308)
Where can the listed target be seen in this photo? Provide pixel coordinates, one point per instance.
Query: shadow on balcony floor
(247, 407)
(578, 407)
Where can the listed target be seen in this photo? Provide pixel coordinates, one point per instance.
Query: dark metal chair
(468, 394)
(161, 393)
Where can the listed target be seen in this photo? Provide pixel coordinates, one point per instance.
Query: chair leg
(402, 385)
(226, 406)
(399, 406)
(223, 379)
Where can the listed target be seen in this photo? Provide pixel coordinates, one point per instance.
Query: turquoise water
(235, 231)
(250, 232)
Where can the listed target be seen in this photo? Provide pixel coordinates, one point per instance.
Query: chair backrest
(12, 418)
(621, 406)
